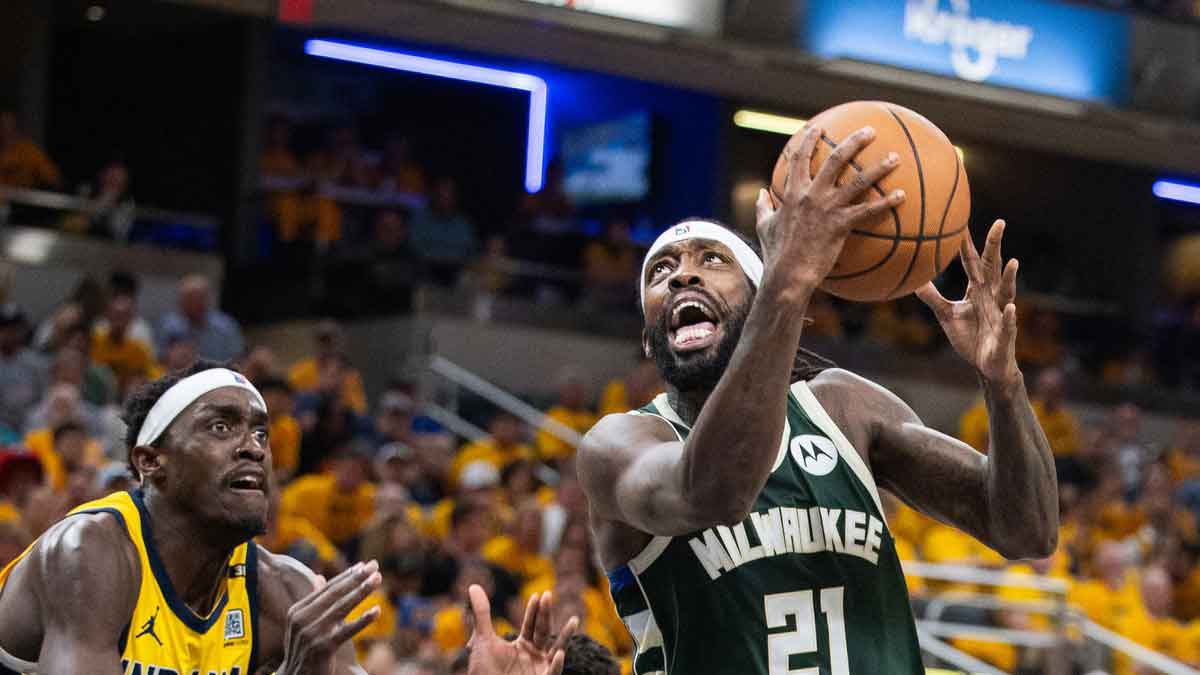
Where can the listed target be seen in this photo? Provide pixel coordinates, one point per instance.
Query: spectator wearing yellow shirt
(21, 475)
(114, 347)
(306, 375)
(501, 447)
(339, 503)
(62, 450)
(22, 163)
(284, 430)
(1112, 596)
(571, 411)
(293, 535)
(637, 388)
(609, 266)
(1059, 424)
(518, 553)
(450, 630)
(1150, 624)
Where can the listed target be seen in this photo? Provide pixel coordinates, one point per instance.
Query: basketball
(902, 249)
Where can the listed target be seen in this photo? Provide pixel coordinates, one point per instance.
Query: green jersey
(809, 584)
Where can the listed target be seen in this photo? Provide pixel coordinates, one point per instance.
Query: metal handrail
(1135, 651)
(453, 422)
(502, 399)
(955, 657)
(60, 201)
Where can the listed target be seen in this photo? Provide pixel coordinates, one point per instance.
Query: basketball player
(738, 514)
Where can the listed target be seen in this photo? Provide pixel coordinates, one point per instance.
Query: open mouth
(693, 325)
(248, 482)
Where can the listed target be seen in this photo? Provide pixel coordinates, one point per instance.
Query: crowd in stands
(361, 478)
(107, 209)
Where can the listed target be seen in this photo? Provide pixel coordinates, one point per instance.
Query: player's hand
(982, 327)
(316, 624)
(531, 653)
(804, 237)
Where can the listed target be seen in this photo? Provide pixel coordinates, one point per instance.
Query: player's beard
(696, 371)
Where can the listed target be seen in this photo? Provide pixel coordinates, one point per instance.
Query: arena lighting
(1180, 192)
(780, 124)
(386, 58)
(761, 121)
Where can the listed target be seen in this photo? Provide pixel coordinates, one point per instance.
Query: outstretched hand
(532, 653)
(982, 327)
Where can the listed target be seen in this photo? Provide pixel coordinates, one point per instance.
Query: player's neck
(194, 554)
(687, 404)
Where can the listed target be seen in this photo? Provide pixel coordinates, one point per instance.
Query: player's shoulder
(840, 385)
(86, 543)
(282, 579)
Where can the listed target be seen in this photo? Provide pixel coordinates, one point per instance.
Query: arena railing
(1063, 616)
(535, 418)
(206, 226)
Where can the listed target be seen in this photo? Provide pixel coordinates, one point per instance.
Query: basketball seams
(937, 250)
(912, 262)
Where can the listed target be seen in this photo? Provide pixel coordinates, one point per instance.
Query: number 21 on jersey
(803, 640)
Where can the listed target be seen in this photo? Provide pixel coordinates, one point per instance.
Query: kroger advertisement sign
(1045, 47)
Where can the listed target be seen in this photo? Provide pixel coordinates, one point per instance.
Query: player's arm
(86, 578)
(311, 615)
(1008, 499)
(633, 469)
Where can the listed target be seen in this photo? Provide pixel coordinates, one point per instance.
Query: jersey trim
(252, 600)
(652, 637)
(178, 607)
(642, 561)
(812, 407)
(19, 665)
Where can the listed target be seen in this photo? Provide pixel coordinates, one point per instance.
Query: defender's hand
(982, 326)
(316, 626)
(803, 238)
(531, 653)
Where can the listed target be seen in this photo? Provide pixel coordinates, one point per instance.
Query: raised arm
(86, 578)
(633, 468)
(1009, 498)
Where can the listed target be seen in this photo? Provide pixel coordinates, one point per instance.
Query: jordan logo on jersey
(148, 628)
(817, 455)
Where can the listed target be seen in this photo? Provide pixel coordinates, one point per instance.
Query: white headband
(183, 393)
(751, 264)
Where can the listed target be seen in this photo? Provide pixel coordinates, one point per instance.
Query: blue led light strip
(1180, 192)
(385, 58)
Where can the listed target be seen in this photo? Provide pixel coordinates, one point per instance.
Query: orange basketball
(902, 249)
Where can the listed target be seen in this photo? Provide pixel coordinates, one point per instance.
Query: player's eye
(261, 436)
(660, 268)
(713, 257)
(220, 427)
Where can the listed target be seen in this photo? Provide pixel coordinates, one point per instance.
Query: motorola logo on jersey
(817, 455)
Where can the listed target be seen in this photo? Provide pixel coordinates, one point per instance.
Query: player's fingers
(842, 155)
(857, 213)
(530, 618)
(350, 599)
(970, 260)
(800, 169)
(863, 180)
(1008, 284)
(763, 207)
(1008, 327)
(992, 265)
(541, 627)
(933, 298)
(322, 599)
(565, 634)
(556, 665)
(482, 609)
(351, 628)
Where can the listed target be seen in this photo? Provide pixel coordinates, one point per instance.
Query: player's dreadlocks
(141, 401)
(585, 656)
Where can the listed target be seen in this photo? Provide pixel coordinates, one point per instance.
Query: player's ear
(147, 460)
(645, 343)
